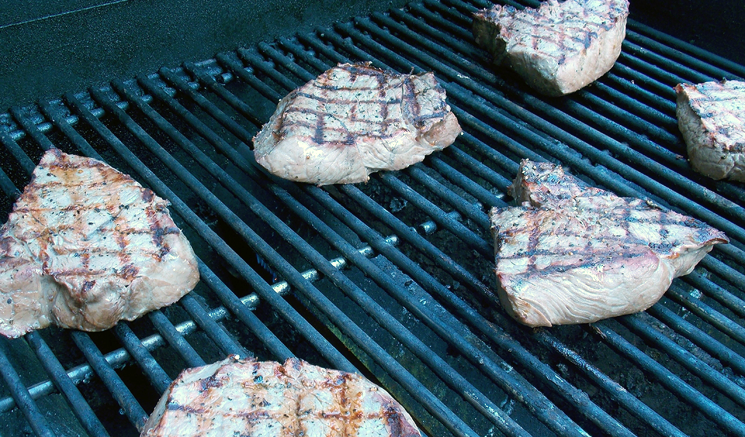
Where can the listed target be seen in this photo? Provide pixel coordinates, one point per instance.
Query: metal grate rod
(657, 39)
(688, 360)
(175, 338)
(711, 72)
(65, 385)
(698, 337)
(159, 379)
(136, 415)
(615, 390)
(22, 397)
(674, 383)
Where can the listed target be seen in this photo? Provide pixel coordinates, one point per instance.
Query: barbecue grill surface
(393, 278)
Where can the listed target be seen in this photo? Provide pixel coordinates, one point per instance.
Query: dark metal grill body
(393, 278)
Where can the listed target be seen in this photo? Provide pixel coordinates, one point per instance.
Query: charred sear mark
(532, 244)
(86, 289)
(211, 382)
(322, 112)
(147, 195)
(396, 422)
(409, 103)
(77, 272)
(319, 127)
(85, 258)
(129, 272)
(663, 247)
(343, 101)
(189, 409)
(369, 133)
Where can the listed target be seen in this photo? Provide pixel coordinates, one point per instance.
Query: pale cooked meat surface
(267, 399)
(711, 117)
(354, 120)
(86, 246)
(577, 254)
(559, 47)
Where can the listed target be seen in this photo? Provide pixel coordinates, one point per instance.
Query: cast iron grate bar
(701, 314)
(118, 389)
(21, 395)
(656, 39)
(63, 383)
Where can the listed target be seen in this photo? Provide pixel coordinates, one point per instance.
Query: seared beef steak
(711, 117)
(267, 399)
(354, 120)
(559, 47)
(86, 246)
(577, 254)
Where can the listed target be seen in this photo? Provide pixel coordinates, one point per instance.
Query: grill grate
(393, 278)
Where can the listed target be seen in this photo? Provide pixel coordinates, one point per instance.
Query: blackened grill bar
(20, 394)
(702, 59)
(177, 129)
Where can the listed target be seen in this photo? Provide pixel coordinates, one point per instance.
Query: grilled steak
(577, 254)
(559, 47)
(266, 399)
(711, 117)
(86, 246)
(354, 120)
